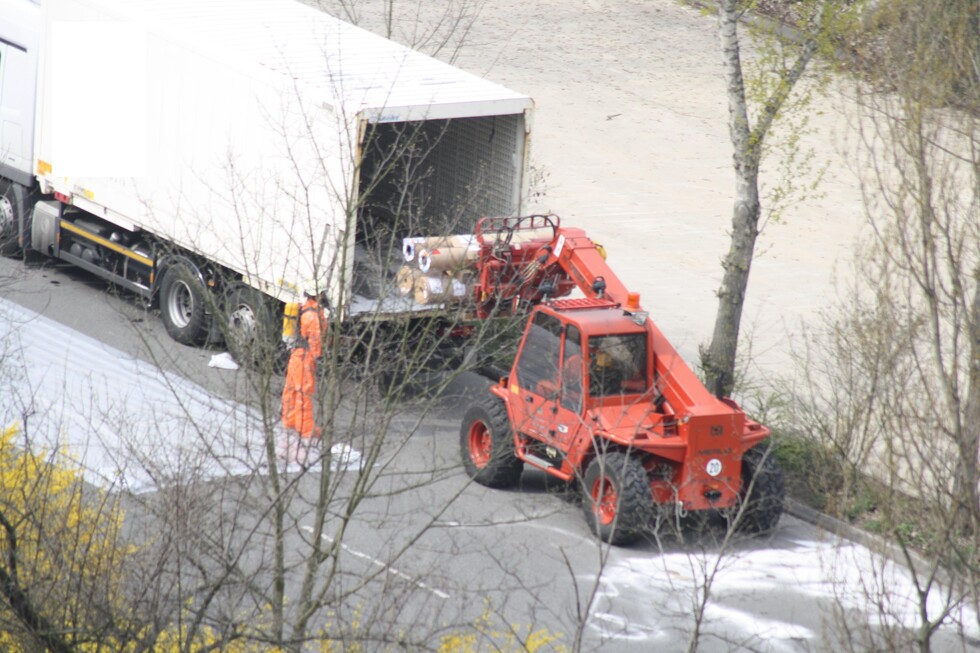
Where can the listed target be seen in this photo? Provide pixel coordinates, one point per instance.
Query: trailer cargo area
(429, 177)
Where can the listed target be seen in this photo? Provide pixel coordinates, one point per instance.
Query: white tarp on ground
(126, 422)
(794, 594)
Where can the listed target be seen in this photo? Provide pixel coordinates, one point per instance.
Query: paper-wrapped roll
(429, 290)
(444, 259)
(405, 278)
(455, 290)
(439, 288)
(410, 247)
(460, 240)
(527, 235)
(413, 245)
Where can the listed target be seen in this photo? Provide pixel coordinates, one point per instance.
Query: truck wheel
(487, 445)
(182, 305)
(252, 330)
(10, 219)
(762, 493)
(617, 501)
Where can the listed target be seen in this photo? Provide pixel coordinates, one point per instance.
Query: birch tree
(751, 115)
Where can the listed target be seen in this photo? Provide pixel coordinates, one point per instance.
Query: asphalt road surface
(454, 550)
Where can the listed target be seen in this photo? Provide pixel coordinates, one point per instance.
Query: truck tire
(762, 494)
(11, 218)
(486, 443)
(252, 329)
(618, 504)
(182, 304)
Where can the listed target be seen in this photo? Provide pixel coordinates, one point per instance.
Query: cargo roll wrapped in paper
(531, 235)
(446, 259)
(439, 269)
(413, 245)
(457, 289)
(440, 288)
(428, 290)
(410, 246)
(405, 279)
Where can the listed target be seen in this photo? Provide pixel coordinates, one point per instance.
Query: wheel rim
(242, 321)
(180, 304)
(481, 444)
(604, 500)
(6, 216)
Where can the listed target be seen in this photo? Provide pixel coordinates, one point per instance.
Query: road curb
(877, 543)
(828, 523)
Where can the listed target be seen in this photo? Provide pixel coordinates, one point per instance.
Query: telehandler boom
(597, 395)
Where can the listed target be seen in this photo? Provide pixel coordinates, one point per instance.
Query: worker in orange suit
(297, 396)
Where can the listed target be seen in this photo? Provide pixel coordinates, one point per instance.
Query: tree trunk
(719, 360)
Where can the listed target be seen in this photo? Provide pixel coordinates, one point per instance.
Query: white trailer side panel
(253, 114)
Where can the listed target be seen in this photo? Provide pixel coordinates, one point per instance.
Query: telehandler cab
(597, 396)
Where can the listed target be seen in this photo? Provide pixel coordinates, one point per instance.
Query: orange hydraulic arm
(525, 261)
(585, 263)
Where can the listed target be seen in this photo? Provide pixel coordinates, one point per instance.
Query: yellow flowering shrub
(61, 548)
(62, 570)
(481, 637)
(59, 551)
(484, 637)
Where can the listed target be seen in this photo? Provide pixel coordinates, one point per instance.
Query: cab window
(537, 369)
(571, 370)
(617, 364)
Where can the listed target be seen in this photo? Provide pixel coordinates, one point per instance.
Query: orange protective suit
(297, 396)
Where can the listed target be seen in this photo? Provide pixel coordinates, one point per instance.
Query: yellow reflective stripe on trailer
(106, 243)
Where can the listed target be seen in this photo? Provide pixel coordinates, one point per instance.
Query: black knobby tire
(763, 491)
(182, 305)
(617, 501)
(252, 329)
(486, 445)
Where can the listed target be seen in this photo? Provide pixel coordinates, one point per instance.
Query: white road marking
(531, 521)
(384, 565)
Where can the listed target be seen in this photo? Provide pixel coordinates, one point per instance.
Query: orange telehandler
(598, 396)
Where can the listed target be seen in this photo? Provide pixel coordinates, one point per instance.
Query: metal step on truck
(216, 156)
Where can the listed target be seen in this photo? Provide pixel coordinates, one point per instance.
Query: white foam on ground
(126, 422)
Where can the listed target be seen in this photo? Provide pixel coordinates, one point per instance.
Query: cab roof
(597, 321)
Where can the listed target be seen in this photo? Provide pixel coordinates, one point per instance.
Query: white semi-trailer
(218, 156)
